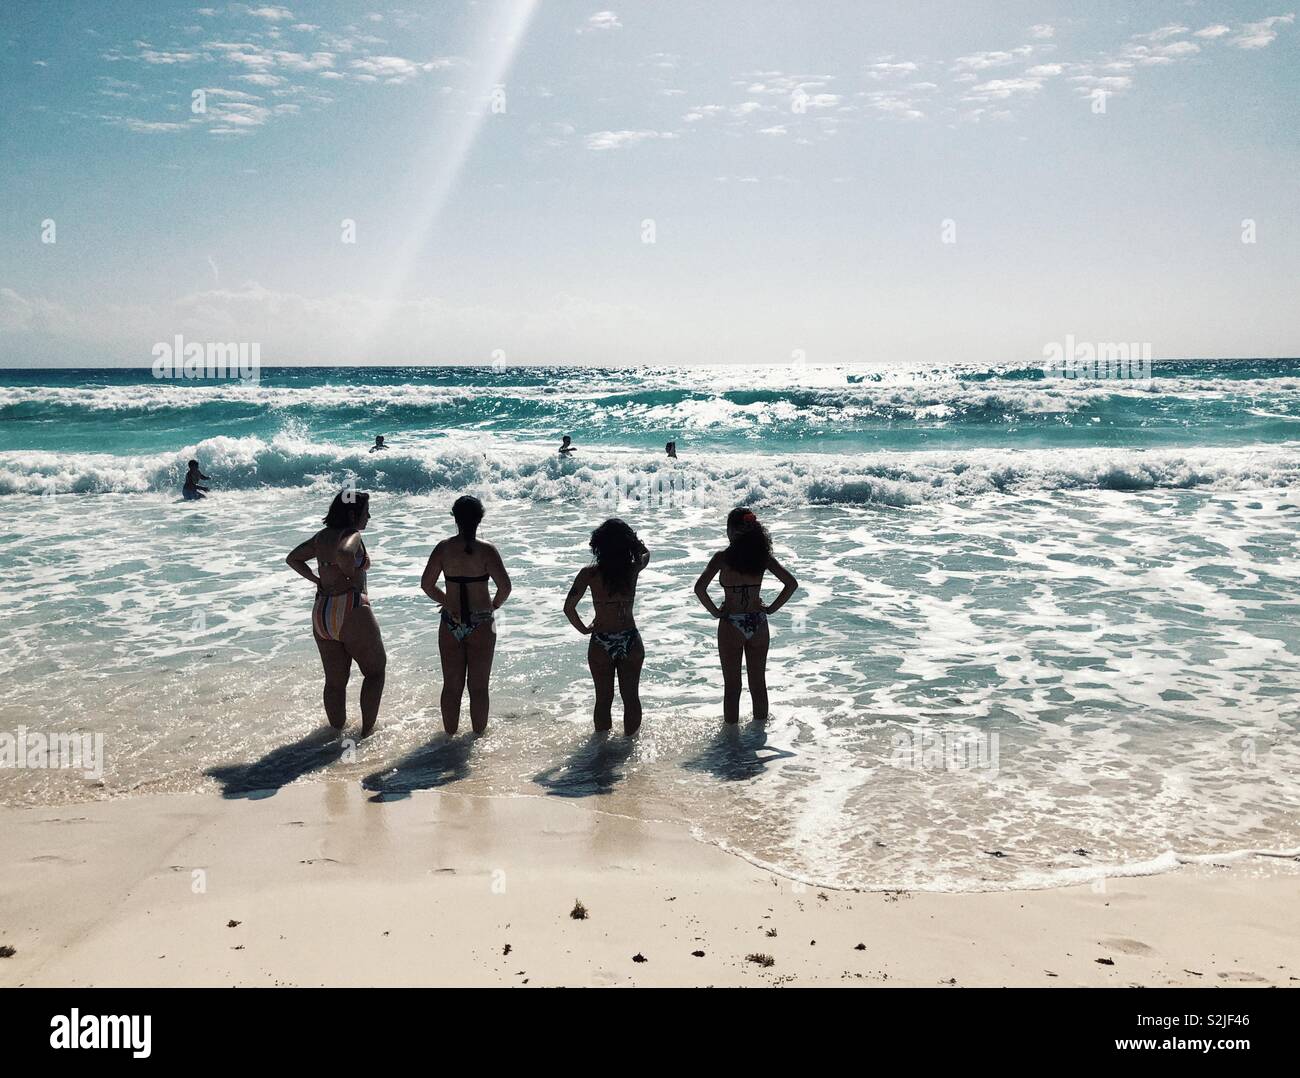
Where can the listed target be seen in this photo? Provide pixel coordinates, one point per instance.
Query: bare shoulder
(489, 551)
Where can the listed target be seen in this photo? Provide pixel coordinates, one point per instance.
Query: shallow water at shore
(965, 693)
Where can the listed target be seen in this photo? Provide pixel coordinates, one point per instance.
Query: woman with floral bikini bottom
(615, 648)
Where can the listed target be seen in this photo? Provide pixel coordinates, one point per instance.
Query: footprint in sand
(1242, 976)
(1127, 946)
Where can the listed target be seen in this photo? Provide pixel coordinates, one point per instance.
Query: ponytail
(468, 512)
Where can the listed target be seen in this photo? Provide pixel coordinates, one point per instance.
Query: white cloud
(272, 14)
(163, 56)
(614, 140)
(885, 69)
(778, 129)
(1042, 31)
(390, 68)
(1211, 32)
(1259, 35)
(1164, 33)
(981, 61)
(895, 103)
(1001, 89)
(145, 127)
(602, 20)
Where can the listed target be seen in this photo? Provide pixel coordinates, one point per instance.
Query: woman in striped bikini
(467, 637)
(615, 646)
(742, 618)
(343, 623)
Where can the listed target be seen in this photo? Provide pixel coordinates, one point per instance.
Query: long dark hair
(347, 508)
(617, 551)
(750, 546)
(468, 512)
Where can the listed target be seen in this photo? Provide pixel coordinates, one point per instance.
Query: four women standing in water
(345, 628)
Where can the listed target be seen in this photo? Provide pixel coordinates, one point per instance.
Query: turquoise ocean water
(1039, 616)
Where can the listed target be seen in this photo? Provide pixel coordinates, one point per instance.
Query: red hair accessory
(749, 518)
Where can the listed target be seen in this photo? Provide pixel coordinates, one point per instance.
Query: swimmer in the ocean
(192, 491)
(566, 446)
(671, 450)
(379, 443)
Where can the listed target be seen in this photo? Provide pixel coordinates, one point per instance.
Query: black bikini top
(742, 588)
(464, 591)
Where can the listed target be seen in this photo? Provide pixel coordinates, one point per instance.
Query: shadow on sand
(594, 768)
(439, 762)
(737, 753)
(279, 767)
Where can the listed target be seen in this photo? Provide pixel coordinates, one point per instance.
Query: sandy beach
(320, 886)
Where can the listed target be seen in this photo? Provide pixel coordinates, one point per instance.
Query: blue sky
(500, 161)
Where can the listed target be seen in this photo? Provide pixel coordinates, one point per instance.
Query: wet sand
(318, 885)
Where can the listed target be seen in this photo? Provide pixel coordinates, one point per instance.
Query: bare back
(741, 590)
(613, 610)
(479, 562)
(333, 580)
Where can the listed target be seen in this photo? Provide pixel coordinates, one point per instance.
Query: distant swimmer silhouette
(467, 637)
(342, 621)
(742, 618)
(191, 491)
(566, 447)
(615, 646)
(379, 443)
(671, 450)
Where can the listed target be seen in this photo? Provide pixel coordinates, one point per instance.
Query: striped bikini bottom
(331, 611)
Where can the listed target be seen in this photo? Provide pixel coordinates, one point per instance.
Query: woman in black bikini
(467, 638)
(742, 618)
(342, 621)
(615, 646)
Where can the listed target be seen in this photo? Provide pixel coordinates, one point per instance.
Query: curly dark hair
(617, 551)
(750, 545)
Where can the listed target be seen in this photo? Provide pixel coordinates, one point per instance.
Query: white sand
(332, 889)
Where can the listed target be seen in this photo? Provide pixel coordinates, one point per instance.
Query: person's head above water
(194, 464)
(617, 551)
(565, 440)
(349, 510)
(379, 439)
(749, 545)
(468, 512)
